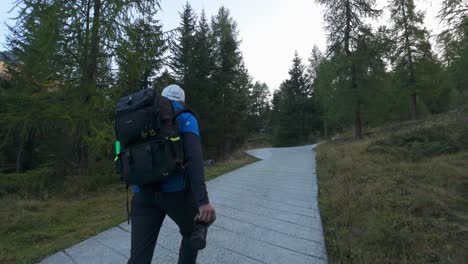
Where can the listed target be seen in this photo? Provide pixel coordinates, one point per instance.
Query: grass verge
(32, 229)
(398, 197)
(235, 161)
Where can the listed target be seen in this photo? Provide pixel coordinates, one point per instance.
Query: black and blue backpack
(148, 146)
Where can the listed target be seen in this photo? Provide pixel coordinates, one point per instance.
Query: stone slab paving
(267, 212)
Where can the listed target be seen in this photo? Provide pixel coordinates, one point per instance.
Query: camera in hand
(198, 239)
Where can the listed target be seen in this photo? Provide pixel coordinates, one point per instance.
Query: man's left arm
(195, 171)
(194, 164)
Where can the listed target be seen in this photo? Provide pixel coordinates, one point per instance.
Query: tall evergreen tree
(182, 61)
(411, 45)
(31, 108)
(92, 32)
(372, 77)
(292, 114)
(344, 20)
(315, 73)
(228, 79)
(203, 85)
(315, 59)
(259, 106)
(77, 42)
(140, 52)
(456, 50)
(454, 14)
(325, 91)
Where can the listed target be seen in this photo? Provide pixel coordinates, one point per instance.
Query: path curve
(267, 212)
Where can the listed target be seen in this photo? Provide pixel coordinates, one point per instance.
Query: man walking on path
(182, 197)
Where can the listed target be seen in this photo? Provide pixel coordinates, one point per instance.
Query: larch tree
(454, 15)
(77, 41)
(30, 106)
(91, 33)
(411, 45)
(345, 19)
(140, 53)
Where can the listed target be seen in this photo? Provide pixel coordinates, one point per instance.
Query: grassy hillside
(400, 195)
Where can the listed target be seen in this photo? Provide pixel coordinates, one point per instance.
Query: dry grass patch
(381, 206)
(32, 229)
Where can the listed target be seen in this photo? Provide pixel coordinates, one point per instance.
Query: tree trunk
(227, 149)
(91, 67)
(409, 55)
(20, 157)
(347, 36)
(88, 84)
(354, 86)
(357, 109)
(303, 130)
(24, 153)
(414, 105)
(358, 126)
(325, 128)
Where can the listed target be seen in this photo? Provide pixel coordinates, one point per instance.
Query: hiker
(181, 195)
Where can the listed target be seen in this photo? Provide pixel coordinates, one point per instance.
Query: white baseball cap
(174, 92)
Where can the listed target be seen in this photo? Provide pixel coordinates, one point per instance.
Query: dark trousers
(148, 210)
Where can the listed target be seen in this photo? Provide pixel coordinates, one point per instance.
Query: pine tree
(203, 86)
(372, 77)
(291, 106)
(92, 32)
(325, 92)
(228, 79)
(139, 54)
(66, 52)
(454, 14)
(315, 59)
(258, 106)
(313, 73)
(237, 111)
(411, 44)
(344, 20)
(456, 50)
(31, 108)
(182, 61)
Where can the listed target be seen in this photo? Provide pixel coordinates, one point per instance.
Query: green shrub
(424, 142)
(43, 182)
(35, 182)
(99, 177)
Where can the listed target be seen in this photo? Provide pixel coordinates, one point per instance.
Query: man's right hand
(206, 214)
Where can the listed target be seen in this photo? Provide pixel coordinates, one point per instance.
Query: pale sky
(270, 30)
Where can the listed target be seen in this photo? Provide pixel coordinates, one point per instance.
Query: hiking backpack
(148, 146)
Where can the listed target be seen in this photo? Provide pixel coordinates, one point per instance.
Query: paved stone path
(267, 212)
